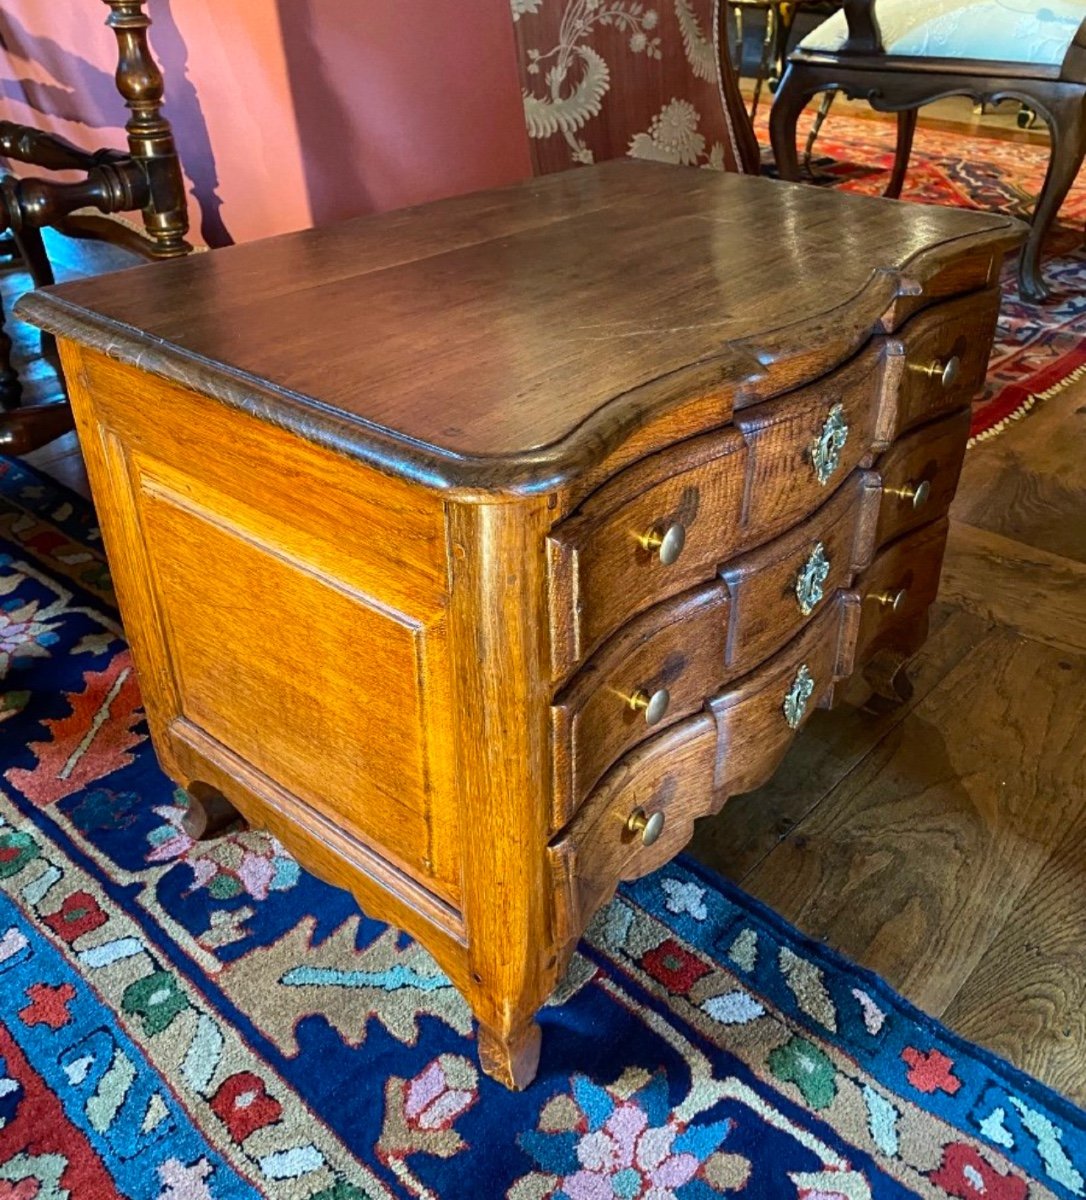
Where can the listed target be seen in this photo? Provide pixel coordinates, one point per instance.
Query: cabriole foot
(209, 814)
(887, 676)
(512, 1059)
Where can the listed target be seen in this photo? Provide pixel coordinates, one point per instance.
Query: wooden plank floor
(942, 844)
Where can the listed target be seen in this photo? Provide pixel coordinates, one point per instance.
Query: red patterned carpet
(1039, 348)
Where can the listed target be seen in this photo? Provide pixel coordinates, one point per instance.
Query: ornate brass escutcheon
(826, 448)
(799, 696)
(811, 579)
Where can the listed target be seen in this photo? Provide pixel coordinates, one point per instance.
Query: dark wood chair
(901, 54)
(779, 18)
(147, 179)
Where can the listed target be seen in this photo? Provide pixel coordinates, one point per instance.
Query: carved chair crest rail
(146, 179)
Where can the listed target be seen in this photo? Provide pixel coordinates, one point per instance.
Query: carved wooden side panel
(305, 641)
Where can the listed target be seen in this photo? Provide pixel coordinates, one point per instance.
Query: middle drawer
(663, 665)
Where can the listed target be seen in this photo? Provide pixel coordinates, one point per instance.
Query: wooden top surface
(515, 334)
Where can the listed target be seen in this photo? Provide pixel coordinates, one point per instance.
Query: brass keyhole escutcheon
(654, 706)
(915, 494)
(648, 827)
(798, 697)
(667, 542)
(811, 580)
(826, 449)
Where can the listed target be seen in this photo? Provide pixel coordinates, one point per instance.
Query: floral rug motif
(196, 1022)
(1039, 347)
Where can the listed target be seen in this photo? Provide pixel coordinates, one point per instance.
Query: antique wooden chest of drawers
(477, 550)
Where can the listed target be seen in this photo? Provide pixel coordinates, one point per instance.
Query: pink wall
(289, 113)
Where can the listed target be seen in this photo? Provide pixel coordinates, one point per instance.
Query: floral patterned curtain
(607, 78)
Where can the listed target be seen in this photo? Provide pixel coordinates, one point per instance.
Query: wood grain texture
(833, 744)
(602, 572)
(1026, 997)
(783, 483)
(753, 730)
(499, 648)
(1040, 594)
(1031, 487)
(334, 710)
(931, 456)
(961, 330)
(898, 589)
(678, 646)
(934, 840)
(1011, 573)
(62, 460)
(506, 340)
(672, 775)
(738, 488)
(131, 459)
(765, 609)
(689, 770)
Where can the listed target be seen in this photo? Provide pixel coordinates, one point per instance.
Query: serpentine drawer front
(477, 552)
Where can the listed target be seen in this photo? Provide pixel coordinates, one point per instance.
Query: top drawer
(806, 443)
(942, 357)
(656, 529)
(668, 522)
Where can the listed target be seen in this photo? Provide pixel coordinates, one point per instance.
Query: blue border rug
(186, 1021)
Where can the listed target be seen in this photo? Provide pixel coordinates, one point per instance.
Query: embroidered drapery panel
(605, 79)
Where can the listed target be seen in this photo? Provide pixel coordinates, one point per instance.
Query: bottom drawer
(757, 717)
(643, 812)
(898, 589)
(639, 817)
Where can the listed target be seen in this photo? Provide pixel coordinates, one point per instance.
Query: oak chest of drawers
(477, 550)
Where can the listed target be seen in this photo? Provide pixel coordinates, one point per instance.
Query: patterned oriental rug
(1039, 348)
(208, 1022)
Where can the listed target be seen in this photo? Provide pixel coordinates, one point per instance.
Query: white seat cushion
(1018, 31)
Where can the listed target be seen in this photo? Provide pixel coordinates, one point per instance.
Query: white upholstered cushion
(1019, 31)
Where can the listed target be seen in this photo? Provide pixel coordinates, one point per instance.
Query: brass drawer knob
(668, 543)
(654, 707)
(946, 372)
(648, 827)
(891, 600)
(916, 493)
